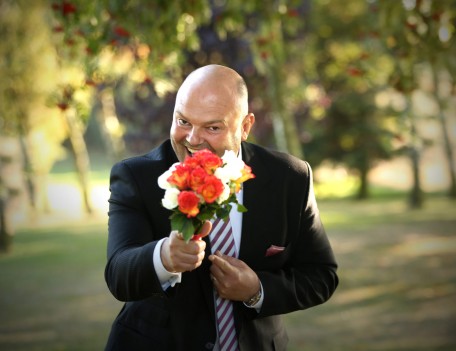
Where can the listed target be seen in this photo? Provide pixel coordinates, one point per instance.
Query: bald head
(211, 112)
(221, 79)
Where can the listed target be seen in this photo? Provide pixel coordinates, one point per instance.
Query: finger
(192, 247)
(233, 261)
(177, 234)
(216, 272)
(187, 262)
(205, 230)
(219, 261)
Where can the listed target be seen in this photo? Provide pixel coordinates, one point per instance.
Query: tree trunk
(112, 136)
(28, 171)
(446, 138)
(5, 235)
(285, 123)
(416, 193)
(11, 184)
(363, 190)
(285, 127)
(80, 155)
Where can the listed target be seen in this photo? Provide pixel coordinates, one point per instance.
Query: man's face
(207, 119)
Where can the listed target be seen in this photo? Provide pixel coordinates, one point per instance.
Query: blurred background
(364, 90)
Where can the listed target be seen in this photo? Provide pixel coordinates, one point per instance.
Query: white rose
(225, 194)
(170, 199)
(233, 167)
(163, 179)
(223, 173)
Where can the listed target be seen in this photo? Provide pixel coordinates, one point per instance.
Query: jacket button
(209, 346)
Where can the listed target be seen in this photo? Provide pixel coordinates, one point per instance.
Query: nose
(194, 138)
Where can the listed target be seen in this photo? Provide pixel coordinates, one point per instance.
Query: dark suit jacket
(281, 211)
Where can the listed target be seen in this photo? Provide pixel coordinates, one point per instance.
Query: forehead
(203, 104)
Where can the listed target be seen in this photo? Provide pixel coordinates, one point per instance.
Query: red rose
(188, 203)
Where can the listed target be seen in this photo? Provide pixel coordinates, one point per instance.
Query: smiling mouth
(190, 151)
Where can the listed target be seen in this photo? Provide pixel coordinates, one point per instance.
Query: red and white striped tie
(222, 240)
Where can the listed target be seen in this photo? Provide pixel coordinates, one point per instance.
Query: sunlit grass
(336, 187)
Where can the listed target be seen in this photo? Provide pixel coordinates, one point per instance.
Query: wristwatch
(254, 299)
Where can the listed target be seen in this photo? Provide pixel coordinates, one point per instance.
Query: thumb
(205, 230)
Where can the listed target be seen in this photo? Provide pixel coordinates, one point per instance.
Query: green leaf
(183, 225)
(223, 212)
(205, 216)
(241, 208)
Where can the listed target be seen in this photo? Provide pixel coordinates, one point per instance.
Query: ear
(247, 124)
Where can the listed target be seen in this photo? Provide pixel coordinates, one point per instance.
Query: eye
(182, 122)
(214, 128)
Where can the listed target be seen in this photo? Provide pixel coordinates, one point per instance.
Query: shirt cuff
(166, 278)
(258, 305)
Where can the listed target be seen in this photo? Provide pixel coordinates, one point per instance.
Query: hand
(179, 256)
(232, 278)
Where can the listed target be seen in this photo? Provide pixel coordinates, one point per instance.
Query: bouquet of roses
(202, 186)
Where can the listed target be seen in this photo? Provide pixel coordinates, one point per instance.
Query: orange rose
(206, 159)
(192, 161)
(188, 203)
(197, 177)
(180, 176)
(211, 189)
(210, 161)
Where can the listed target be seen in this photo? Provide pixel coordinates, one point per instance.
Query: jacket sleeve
(129, 272)
(307, 277)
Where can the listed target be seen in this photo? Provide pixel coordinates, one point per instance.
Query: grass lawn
(53, 296)
(397, 279)
(397, 289)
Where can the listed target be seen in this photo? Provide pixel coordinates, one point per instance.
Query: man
(283, 260)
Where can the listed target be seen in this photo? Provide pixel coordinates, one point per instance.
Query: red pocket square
(274, 250)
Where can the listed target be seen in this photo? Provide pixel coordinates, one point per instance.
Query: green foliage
(344, 74)
(28, 69)
(316, 67)
(27, 65)
(153, 34)
(415, 32)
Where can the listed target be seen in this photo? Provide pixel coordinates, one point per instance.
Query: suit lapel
(255, 200)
